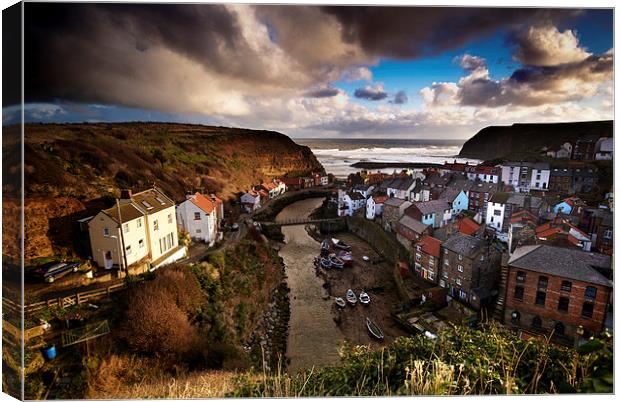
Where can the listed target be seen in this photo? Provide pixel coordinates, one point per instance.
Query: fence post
(77, 298)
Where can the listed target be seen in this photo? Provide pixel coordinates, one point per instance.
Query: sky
(317, 71)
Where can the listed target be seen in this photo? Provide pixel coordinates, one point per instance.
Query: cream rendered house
(149, 231)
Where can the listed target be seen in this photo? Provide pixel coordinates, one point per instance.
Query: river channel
(313, 338)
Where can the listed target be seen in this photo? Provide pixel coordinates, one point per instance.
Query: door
(108, 262)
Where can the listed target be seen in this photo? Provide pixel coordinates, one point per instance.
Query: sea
(337, 154)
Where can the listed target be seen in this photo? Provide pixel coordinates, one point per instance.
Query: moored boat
(364, 298)
(326, 263)
(340, 302)
(324, 247)
(336, 262)
(351, 298)
(374, 329)
(346, 257)
(341, 245)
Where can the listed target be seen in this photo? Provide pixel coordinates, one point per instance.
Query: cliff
(498, 141)
(73, 170)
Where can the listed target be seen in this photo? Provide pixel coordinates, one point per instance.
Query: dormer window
(147, 205)
(162, 202)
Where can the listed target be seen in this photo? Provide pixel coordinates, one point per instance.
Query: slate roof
(394, 202)
(432, 206)
(500, 198)
(400, 183)
(152, 200)
(430, 245)
(483, 187)
(463, 244)
(563, 262)
(129, 212)
(449, 194)
(412, 224)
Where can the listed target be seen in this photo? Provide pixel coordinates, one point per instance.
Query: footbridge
(291, 222)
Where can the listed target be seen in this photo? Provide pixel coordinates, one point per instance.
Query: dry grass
(131, 377)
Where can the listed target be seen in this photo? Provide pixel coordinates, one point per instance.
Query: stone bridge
(291, 222)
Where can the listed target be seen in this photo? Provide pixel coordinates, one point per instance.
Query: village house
(526, 176)
(463, 225)
(408, 230)
(561, 181)
(563, 151)
(604, 149)
(468, 268)
(421, 192)
(522, 230)
(584, 179)
(293, 183)
(363, 189)
(400, 187)
(320, 179)
(569, 206)
(141, 227)
(435, 213)
(199, 216)
(349, 202)
(457, 199)
(479, 194)
(501, 206)
(250, 201)
(598, 223)
(274, 187)
(559, 290)
(561, 232)
(374, 206)
(427, 258)
(584, 149)
(486, 174)
(393, 210)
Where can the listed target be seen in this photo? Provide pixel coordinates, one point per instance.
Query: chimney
(125, 196)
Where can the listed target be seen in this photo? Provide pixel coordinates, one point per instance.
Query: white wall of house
(199, 224)
(540, 179)
(495, 216)
(510, 175)
(253, 203)
(373, 209)
(162, 230)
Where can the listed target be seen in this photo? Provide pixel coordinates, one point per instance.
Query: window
(540, 298)
(520, 276)
(128, 249)
(126, 228)
(418, 257)
(460, 268)
(542, 282)
(162, 202)
(558, 329)
(587, 310)
(460, 257)
(445, 274)
(458, 281)
(431, 275)
(566, 286)
(515, 317)
(563, 303)
(106, 232)
(155, 225)
(196, 216)
(445, 251)
(518, 293)
(147, 205)
(198, 231)
(536, 322)
(139, 222)
(608, 234)
(497, 212)
(169, 218)
(442, 283)
(446, 262)
(431, 261)
(590, 292)
(141, 243)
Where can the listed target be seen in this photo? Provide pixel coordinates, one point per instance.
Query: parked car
(52, 271)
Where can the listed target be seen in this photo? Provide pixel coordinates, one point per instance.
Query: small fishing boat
(324, 245)
(336, 262)
(351, 298)
(340, 302)
(341, 245)
(374, 329)
(365, 258)
(326, 263)
(346, 257)
(364, 298)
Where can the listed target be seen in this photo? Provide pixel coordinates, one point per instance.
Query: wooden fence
(62, 302)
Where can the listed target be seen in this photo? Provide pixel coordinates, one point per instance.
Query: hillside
(73, 170)
(497, 141)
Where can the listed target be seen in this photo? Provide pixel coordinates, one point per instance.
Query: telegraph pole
(120, 225)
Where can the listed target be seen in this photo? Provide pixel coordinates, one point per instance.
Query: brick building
(427, 258)
(479, 194)
(557, 289)
(409, 230)
(469, 268)
(393, 210)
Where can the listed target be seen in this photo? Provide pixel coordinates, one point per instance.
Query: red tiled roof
(548, 232)
(430, 245)
(263, 193)
(203, 202)
(542, 228)
(573, 240)
(468, 226)
(486, 170)
(380, 199)
(268, 186)
(523, 215)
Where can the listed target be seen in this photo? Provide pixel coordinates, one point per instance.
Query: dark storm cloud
(322, 93)
(408, 32)
(400, 98)
(371, 93)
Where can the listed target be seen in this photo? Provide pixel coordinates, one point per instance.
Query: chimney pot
(125, 194)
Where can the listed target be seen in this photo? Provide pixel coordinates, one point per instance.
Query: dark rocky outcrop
(497, 141)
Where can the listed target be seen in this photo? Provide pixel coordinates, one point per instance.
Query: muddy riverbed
(317, 326)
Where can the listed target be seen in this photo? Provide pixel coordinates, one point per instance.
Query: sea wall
(384, 243)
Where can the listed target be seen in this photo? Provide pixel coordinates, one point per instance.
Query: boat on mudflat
(347, 257)
(351, 298)
(326, 263)
(340, 302)
(374, 329)
(336, 262)
(324, 247)
(364, 298)
(340, 244)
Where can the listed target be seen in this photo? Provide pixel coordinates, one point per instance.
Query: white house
(199, 216)
(495, 213)
(564, 151)
(374, 206)
(349, 202)
(363, 189)
(604, 149)
(274, 188)
(250, 201)
(526, 176)
(400, 187)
